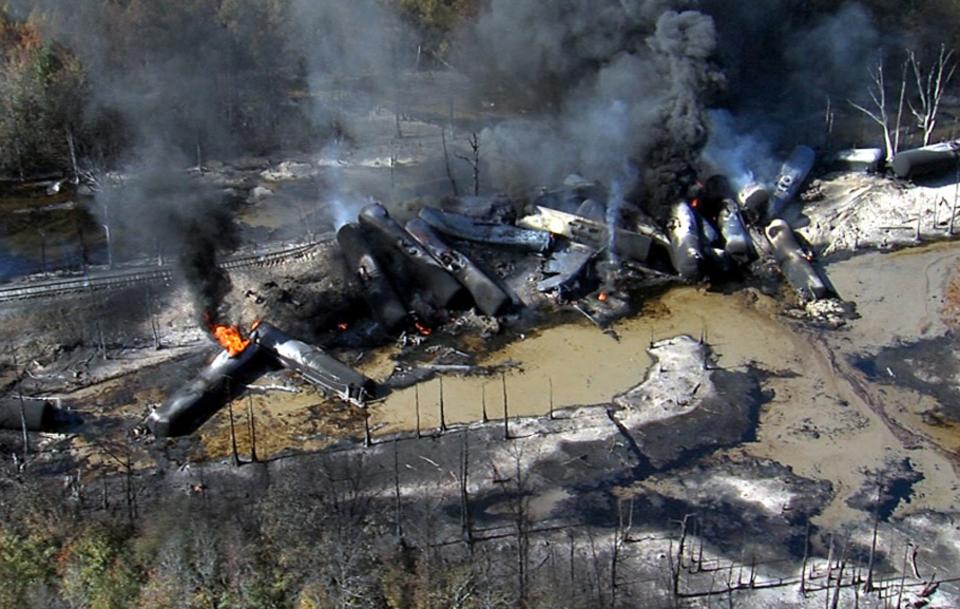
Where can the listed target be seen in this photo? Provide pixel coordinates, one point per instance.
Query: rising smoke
(786, 69)
(617, 90)
(608, 84)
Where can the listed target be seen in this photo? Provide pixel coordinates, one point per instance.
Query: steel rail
(166, 274)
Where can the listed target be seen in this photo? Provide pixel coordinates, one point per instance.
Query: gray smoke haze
(782, 68)
(617, 90)
(779, 57)
(606, 82)
(211, 80)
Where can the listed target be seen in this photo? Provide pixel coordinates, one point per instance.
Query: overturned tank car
(218, 383)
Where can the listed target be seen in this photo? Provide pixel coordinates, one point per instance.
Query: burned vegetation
(501, 304)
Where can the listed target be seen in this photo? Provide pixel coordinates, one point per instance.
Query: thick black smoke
(156, 211)
(615, 90)
(786, 66)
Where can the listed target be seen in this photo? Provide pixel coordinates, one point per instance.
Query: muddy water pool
(569, 365)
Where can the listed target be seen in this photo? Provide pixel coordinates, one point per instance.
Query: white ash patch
(289, 170)
(533, 438)
(676, 383)
(833, 313)
(772, 494)
(860, 211)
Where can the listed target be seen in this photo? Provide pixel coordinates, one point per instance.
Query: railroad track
(164, 275)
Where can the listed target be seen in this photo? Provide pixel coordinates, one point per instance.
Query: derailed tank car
(798, 270)
(471, 229)
(685, 249)
(377, 289)
(490, 298)
(443, 289)
(221, 381)
(792, 175)
(929, 160)
(315, 365)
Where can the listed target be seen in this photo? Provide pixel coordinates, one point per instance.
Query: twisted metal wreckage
(413, 272)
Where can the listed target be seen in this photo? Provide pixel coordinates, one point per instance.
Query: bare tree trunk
(551, 398)
(474, 161)
(680, 549)
(506, 413)
(396, 489)
(829, 572)
(878, 94)
(806, 556)
(522, 538)
(73, 154)
(154, 322)
(483, 403)
(446, 162)
(23, 426)
(367, 438)
(868, 587)
(252, 426)
(930, 89)
(233, 436)
(836, 593)
(443, 420)
(903, 576)
(199, 155)
(466, 524)
(416, 401)
(900, 104)
(101, 342)
(131, 491)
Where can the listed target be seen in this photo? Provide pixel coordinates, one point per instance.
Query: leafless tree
(252, 426)
(474, 161)
(446, 162)
(880, 113)
(930, 88)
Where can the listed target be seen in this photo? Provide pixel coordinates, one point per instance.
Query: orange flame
(602, 297)
(343, 326)
(229, 337)
(422, 329)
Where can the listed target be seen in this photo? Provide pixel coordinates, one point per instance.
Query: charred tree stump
(506, 412)
(367, 438)
(233, 436)
(446, 162)
(416, 404)
(396, 491)
(71, 147)
(251, 424)
(443, 420)
(474, 161)
(466, 523)
(806, 556)
(868, 586)
(483, 403)
(551, 398)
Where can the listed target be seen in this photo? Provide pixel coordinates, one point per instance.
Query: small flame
(602, 297)
(695, 203)
(343, 326)
(422, 329)
(229, 337)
